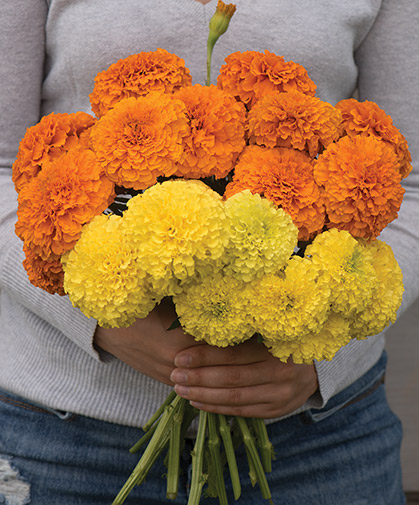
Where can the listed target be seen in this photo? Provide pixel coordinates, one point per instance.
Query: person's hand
(245, 380)
(147, 346)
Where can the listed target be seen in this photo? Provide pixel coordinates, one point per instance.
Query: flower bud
(217, 26)
(220, 20)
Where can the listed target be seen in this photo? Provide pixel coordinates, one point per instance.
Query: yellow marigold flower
(346, 268)
(137, 75)
(285, 177)
(214, 310)
(319, 345)
(367, 119)
(361, 181)
(387, 292)
(262, 237)
(250, 75)
(294, 120)
(286, 307)
(215, 135)
(179, 227)
(103, 275)
(141, 139)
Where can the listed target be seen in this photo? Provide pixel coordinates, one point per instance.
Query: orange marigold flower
(293, 119)
(362, 186)
(136, 76)
(54, 206)
(141, 139)
(250, 75)
(54, 135)
(285, 177)
(367, 118)
(45, 274)
(215, 135)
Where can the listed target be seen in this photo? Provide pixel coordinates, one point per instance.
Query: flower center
(219, 309)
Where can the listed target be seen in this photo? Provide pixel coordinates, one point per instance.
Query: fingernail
(178, 377)
(183, 360)
(181, 390)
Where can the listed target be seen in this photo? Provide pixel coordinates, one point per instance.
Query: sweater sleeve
(388, 74)
(22, 47)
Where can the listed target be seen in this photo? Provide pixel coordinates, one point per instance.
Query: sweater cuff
(349, 363)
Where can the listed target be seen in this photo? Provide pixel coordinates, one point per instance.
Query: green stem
(211, 490)
(254, 458)
(145, 438)
(210, 47)
(252, 471)
(174, 452)
(140, 472)
(266, 448)
(188, 416)
(198, 478)
(214, 448)
(230, 454)
(150, 462)
(152, 451)
(171, 396)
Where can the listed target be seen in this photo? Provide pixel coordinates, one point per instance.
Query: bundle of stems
(217, 440)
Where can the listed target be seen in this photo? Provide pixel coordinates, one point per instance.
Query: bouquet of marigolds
(253, 205)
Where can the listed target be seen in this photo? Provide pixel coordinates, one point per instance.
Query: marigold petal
(104, 276)
(53, 136)
(287, 307)
(285, 177)
(45, 274)
(141, 139)
(250, 75)
(65, 195)
(361, 181)
(215, 132)
(295, 120)
(368, 119)
(178, 226)
(262, 238)
(213, 310)
(136, 76)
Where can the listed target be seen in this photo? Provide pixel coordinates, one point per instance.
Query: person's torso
(86, 36)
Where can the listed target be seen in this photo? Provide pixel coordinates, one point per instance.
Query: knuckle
(195, 378)
(287, 391)
(272, 374)
(235, 396)
(194, 395)
(233, 376)
(199, 354)
(272, 413)
(237, 411)
(230, 354)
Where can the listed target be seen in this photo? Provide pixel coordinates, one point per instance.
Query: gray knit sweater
(50, 52)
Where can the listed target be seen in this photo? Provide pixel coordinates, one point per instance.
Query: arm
(146, 346)
(388, 62)
(22, 44)
(389, 74)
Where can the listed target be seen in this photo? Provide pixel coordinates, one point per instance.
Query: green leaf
(174, 325)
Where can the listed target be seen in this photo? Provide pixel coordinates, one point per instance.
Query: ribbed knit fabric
(50, 53)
